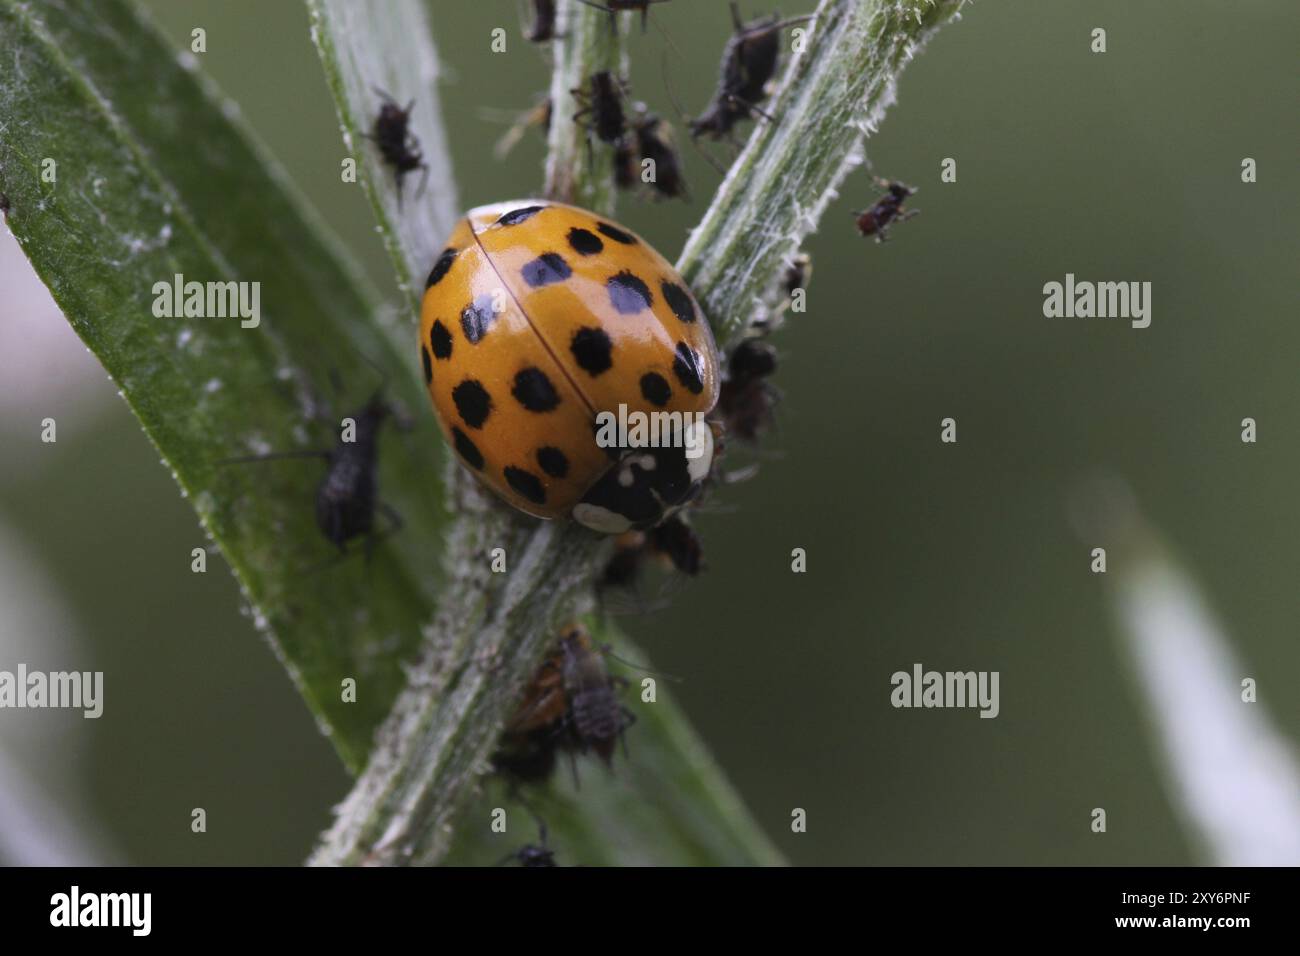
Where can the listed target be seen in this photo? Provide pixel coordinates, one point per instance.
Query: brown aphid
(624, 566)
(749, 61)
(676, 544)
(875, 220)
(596, 719)
(672, 545)
(543, 704)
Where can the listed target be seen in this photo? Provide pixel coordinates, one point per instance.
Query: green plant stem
(776, 192)
(579, 168)
(493, 630)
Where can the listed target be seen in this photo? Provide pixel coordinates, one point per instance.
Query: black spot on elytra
(515, 216)
(553, 461)
(473, 402)
(477, 317)
(679, 300)
(440, 268)
(428, 365)
(615, 233)
(585, 243)
(440, 340)
(534, 390)
(591, 348)
(526, 483)
(467, 449)
(686, 366)
(546, 269)
(655, 389)
(628, 294)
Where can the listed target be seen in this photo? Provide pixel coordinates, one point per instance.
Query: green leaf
(671, 804)
(154, 178)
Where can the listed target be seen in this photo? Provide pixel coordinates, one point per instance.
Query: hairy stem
(493, 629)
(833, 95)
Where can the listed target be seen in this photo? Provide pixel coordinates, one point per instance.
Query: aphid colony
(538, 316)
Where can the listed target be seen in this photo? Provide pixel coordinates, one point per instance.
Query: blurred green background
(1122, 166)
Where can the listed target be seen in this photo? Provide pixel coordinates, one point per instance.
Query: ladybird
(546, 331)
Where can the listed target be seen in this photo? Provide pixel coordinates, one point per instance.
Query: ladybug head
(646, 485)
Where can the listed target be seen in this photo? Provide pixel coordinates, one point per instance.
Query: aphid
(399, 146)
(673, 546)
(534, 854)
(538, 116)
(789, 291)
(530, 855)
(613, 7)
(528, 758)
(627, 164)
(347, 497)
(749, 61)
(797, 274)
(875, 220)
(543, 29)
(747, 401)
(4, 204)
(675, 542)
(571, 704)
(603, 103)
(595, 719)
(651, 139)
(624, 566)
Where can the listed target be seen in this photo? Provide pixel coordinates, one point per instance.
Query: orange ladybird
(545, 328)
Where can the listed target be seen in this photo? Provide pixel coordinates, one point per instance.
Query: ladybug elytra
(541, 323)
